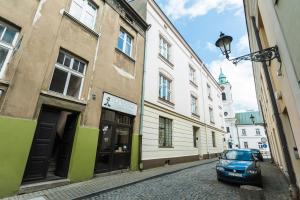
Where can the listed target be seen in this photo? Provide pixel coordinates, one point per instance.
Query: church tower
(228, 111)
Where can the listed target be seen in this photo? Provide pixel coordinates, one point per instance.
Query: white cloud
(243, 43)
(241, 79)
(211, 47)
(193, 8)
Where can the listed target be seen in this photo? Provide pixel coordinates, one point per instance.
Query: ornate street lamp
(268, 54)
(252, 118)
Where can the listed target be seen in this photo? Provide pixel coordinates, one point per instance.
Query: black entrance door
(65, 150)
(37, 164)
(114, 145)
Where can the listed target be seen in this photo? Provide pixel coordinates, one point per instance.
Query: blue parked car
(239, 166)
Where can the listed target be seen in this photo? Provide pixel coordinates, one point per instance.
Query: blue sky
(200, 23)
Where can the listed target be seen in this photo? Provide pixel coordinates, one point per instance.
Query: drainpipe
(292, 178)
(140, 163)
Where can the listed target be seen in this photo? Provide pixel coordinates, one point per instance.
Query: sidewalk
(106, 183)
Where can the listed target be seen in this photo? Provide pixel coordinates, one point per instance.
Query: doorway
(114, 144)
(51, 147)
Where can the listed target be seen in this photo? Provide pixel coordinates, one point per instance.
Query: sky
(200, 23)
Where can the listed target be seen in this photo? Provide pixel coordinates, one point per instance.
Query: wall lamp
(268, 54)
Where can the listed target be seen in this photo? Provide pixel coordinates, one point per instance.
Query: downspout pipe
(292, 178)
(140, 163)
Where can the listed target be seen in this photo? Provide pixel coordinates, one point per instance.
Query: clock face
(225, 113)
(222, 87)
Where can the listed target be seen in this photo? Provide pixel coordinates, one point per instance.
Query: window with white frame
(164, 48)
(209, 92)
(257, 131)
(193, 75)
(194, 105)
(164, 88)
(68, 75)
(85, 11)
(211, 115)
(8, 37)
(244, 132)
(246, 145)
(125, 43)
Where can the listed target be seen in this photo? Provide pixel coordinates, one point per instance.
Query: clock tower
(228, 111)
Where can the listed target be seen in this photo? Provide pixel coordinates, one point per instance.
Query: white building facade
(251, 132)
(183, 115)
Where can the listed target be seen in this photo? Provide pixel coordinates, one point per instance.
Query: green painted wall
(83, 157)
(15, 141)
(134, 152)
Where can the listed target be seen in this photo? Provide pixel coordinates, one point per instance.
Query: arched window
(223, 96)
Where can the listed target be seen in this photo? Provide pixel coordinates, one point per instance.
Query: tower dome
(222, 78)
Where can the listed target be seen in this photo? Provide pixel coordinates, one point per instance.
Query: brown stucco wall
(30, 70)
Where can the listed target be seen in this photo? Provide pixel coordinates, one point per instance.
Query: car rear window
(238, 155)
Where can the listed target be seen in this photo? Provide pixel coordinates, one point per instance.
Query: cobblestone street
(195, 180)
(196, 183)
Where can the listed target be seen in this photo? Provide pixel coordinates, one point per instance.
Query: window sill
(165, 102)
(124, 54)
(62, 97)
(65, 13)
(165, 60)
(166, 147)
(193, 84)
(212, 122)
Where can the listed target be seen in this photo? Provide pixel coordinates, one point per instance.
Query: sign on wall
(118, 104)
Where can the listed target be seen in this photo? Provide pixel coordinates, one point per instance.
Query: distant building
(231, 137)
(252, 134)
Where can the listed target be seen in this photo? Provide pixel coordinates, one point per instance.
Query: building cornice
(129, 14)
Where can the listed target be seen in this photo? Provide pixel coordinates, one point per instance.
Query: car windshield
(238, 155)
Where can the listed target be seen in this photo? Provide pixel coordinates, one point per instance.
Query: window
(260, 145)
(165, 132)
(164, 48)
(68, 75)
(227, 129)
(213, 135)
(244, 132)
(8, 37)
(225, 114)
(246, 145)
(209, 91)
(164, 88)
(192, 75)
(85, 11)
(223, 96)
(194, 105)
(195, 138)
(257, 131)
(125, 43)
(211, 115)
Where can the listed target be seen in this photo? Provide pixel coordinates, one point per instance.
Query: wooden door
(42, 145)
(65, 147)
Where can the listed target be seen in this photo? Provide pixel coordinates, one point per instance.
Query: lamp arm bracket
(264, 55)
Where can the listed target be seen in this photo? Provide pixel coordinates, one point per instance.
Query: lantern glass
(224, 43)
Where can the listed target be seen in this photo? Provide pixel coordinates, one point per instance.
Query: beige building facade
(71, 75)
(271, 23)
